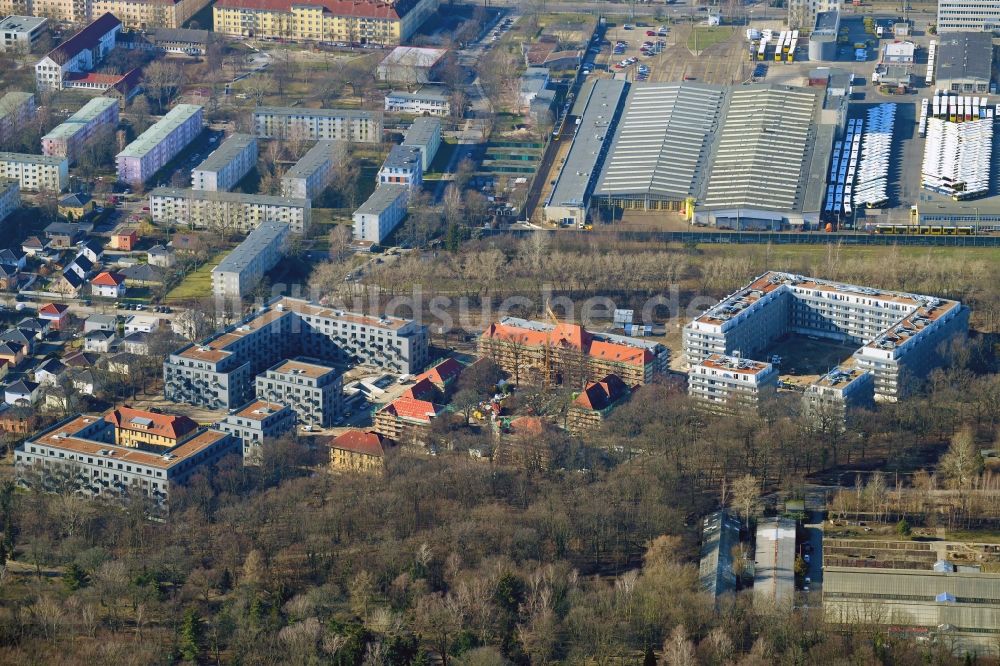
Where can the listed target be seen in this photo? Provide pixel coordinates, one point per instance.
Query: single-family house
(108, 284)
(142, 275)
(12, 352)
(21, 393)
(136, 343)
(49, 372)
(22, 336)
(33, 245)
(161, 255)
(75, 206)
(93, 249)
(11, 257)
(142, 324)
(123, 363)
(100, 322)
(124, 239)
(56, 314)
(99, 342)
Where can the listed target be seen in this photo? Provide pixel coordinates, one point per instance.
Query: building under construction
(548, 354)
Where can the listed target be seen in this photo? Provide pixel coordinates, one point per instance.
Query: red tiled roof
(358, 8)
(50, 310)
(165, 425)
(528, 425)
(570, 336)
(600, 395)
(413, 409)
(365, 443)
(422, 390)
(443, 373)
(87, 38)
(108, 279)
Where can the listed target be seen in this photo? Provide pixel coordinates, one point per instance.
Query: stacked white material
(873, 173)
(931, 53)
(957, 158)
(922, 126)
(843, 166)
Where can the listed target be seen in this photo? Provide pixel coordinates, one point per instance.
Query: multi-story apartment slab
(35, 173)
(227, 164)
(10, 198)
(20, 34)
(80, 53)
(425, 134)
(255, 422)
(355, 125)
(828, 399)
(16, 108)
(968, 16)
(403, 166)
(380, 213)
(900, 334)
(373, 22)
(242, 269)
(432, 101)
(68, 137)
(537, 351)
(310, 175)
(729, 384)
(150, 14)
(159, 144)
(81, 451)
(312, 389)
(219, 372)
(227, 211)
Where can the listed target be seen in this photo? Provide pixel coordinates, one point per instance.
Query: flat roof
(229, 150)
(422, 130)
(735, 364)
(315, 157)
(307, 367)
(827, 23)
(663, 142)
(840, 377)
(31, 158)
(76, 122)
(964, 56)
(583, 163)
(433, 93)
(259, 199)
(774, 562)
(244, 253)
(315, 113)
(258, 410)
(152, 137)
(402, 157)
(22, 23)
(385, 195)
(767, 149)
(413, 56)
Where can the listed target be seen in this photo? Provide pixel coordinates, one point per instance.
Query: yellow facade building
(146, 14)
(339, 21)
(139, 429)
(356, 451)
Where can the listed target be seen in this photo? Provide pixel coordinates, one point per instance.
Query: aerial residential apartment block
(255, 422)
(403, 166)
(242, 269)
(313, 390)
(80, 53)
(727, 383)
(150, 14)
(381, 213)
(227, 164)
(68, 137)
(900, 334)
(317, 124)
(310, 175)
(233, 211)
(35, 173)
(20, 34)
(425, 134)
(82, 449)
(374, 22)
(432, 101)
(219, 371)
(828, 399)
(159, 144)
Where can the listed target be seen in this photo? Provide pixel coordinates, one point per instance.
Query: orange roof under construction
(412, 409)
(570, 336)
(357, 441)
(601, 395)
(443, 373)
(422, 390)
(164, 425)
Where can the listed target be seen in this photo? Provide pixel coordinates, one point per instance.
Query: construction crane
(547, 351)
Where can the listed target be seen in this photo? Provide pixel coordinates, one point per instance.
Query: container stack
(957, 158)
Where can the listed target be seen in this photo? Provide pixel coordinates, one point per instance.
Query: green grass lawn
(198, 283)
(703, 36)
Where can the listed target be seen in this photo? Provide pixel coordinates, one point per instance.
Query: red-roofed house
(80, 53)
(355, 450)
(406, 420)
(54, 313)
(108, 284)
(422, 390)
(535, 351)
(137, 428)
(443, 375)
(596, 402)
(124, 239)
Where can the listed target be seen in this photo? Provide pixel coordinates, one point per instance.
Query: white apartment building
(227, 164)
(728, 383)
(10, 198)
(802, 13)
(242, 269)
(316, 124)
(68, 137)
(229, 211)
(35, 173)
(255, 422)
(432, 101)
(81, 451)
(219, 371)
(80, 53)
(20, 34)
(829, 398)
(403, 166)
(968, 16)
(381, 213)
(152, 149)
(311, 175)
(900, 333)
(424, 134)
(313, 390)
